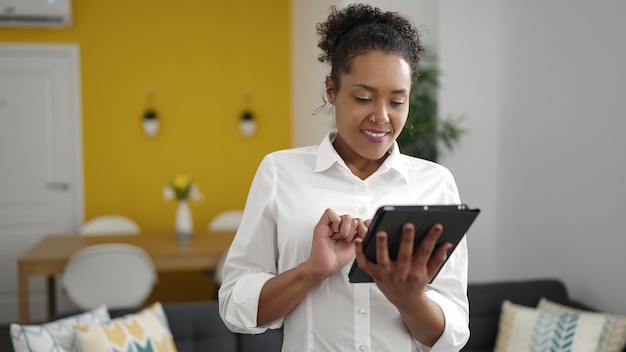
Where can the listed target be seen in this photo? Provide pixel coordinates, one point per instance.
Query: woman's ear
(330, 90)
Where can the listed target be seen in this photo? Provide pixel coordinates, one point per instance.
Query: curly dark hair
(358, 28)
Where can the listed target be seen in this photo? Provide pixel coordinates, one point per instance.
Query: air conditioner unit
(36, 13)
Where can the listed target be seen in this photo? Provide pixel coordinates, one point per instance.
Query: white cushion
(558, 329)
(56, 336)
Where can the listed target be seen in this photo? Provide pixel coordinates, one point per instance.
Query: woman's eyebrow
(372, 89)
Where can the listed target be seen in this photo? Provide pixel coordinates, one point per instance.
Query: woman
(302, 227)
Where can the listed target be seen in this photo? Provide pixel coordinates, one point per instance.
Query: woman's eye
(363, 99)
(397, 102)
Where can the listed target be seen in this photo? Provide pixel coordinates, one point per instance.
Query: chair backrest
(118, 275)
(109, 225)
(228, 220)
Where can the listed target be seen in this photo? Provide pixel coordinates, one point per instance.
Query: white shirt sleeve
(449, 291)
(251, 258)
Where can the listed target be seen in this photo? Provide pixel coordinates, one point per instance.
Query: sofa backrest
(486, 299)
(198, 327)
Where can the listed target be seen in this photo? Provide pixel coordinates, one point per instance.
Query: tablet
(456, 220)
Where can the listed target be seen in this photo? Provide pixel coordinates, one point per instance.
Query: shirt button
(362, 210)
(362, 312)
(362, 348)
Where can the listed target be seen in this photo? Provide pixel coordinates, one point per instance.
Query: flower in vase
(182, 188)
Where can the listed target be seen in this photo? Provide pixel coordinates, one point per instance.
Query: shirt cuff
(243, 306)
(456, 330)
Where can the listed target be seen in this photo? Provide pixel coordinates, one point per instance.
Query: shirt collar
(327, 156)
(396, 162)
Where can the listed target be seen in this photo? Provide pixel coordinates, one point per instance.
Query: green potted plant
(425, 132)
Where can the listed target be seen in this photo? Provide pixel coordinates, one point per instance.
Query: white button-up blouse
(289, 193)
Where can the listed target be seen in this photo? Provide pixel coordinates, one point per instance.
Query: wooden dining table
(48, 257)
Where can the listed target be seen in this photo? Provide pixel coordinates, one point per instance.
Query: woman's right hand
(334, 243)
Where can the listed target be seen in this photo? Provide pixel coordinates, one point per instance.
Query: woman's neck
(361, 167)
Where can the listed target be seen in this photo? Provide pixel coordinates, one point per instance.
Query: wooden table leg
(23, 296)
(52, 297)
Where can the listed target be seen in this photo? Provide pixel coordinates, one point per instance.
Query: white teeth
(373, 134)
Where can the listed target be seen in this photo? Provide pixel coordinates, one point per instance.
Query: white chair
(118, 275)
(109, 225)
(228, 220)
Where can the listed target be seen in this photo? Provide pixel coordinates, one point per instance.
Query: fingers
(347, 228)
(405, 251)
(343, 227)
(428, 245)
(382, 250)
(331, 219)
(397, 270)
(362, 260)
(426, 261)
(438, 257)
(421, 265)
(361, 229)
(430, 256)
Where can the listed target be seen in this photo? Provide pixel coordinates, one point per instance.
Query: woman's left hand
(403, 281)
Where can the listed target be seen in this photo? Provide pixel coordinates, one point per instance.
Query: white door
(41, 187)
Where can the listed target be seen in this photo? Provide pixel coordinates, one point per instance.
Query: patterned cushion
(524, 328)
(146, 330)
(57, 336)
(613, 335)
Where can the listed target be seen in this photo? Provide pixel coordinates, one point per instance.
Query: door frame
(71, 54)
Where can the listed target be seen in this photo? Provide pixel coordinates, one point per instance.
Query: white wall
(468, 58)
(542, 83)
(308, 73)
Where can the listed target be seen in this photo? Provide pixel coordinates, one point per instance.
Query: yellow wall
(200, 57)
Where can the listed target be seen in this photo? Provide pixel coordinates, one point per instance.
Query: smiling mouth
(375, 134)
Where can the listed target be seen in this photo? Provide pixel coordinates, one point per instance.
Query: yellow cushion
(146, 330)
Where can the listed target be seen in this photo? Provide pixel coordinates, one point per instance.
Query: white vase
(184, 222)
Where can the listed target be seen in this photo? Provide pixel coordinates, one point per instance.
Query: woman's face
(378, 85)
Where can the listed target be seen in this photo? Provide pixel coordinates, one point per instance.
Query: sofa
(197, 326)
(486, 303)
